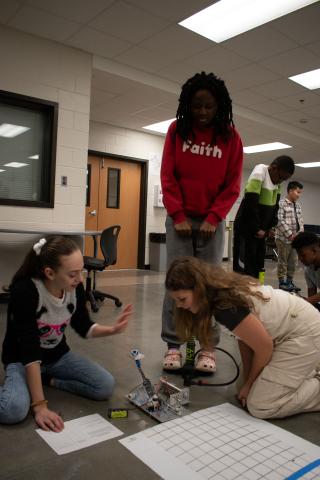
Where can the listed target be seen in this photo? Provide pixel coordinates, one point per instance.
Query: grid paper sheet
(224, 443)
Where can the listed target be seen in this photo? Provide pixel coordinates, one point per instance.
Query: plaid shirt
(287, 224)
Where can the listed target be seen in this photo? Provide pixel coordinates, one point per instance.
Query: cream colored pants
(290, 383)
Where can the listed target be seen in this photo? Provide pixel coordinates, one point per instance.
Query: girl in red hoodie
(200, 177)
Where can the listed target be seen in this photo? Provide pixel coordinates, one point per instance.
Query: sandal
(206, 362)
(172, 359)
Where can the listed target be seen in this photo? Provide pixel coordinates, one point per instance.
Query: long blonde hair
(214, 289)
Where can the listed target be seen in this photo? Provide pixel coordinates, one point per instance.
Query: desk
(42, 233)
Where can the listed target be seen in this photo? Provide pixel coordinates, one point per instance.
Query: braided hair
(223, 119)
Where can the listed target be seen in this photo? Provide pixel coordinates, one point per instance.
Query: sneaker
(285, 285)
(293, 287)
(172, 359)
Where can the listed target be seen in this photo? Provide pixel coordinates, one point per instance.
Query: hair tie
(38, 246)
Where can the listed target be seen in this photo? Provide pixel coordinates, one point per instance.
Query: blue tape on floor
(304, 470)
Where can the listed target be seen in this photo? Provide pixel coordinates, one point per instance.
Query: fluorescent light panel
(310, 80)
(1, 170)
(15, 164)
(308, 164)
(9, 130)
(34, 157)
(265, 147)
(228, 18)
(161, 127)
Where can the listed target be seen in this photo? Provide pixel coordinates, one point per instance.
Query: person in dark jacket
(257, 214)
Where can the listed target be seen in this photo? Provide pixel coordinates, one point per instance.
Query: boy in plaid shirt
(290, 223)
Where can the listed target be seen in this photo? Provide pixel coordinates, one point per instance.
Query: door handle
(93, 213)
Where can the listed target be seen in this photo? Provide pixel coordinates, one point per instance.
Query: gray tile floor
(24, 455)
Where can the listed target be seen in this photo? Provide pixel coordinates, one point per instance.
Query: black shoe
(293, 287)
(286, 286)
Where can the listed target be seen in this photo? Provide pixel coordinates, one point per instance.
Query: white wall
(40, 68)
(109, 139)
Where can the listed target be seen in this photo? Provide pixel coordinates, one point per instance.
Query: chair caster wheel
(118, 303)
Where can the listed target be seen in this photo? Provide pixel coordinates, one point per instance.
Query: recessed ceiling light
(308, 165)
(34, 157)
(15, 164)
(9, 130)
(310, 80)
(265, 147)
(228, 18)
(161, 127)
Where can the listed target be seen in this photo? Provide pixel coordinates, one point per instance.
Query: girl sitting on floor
(46, 295)
(278, 333)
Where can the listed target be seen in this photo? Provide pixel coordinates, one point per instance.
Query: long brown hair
(214, 289)
(49, 256)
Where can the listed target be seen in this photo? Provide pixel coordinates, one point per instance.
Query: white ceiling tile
(177, 72)
(175, 11)
(8, 8)
(259, 43)
(301, 26)
(314, 47)
(157, 114)
(76, 10)
(97, 42)
(248, 76)
(217, 59)
(301, 101)
(290, 63)
(99, 97)
(247, 98)
(128, 22)
(313, 126)
(143, 59)
(176, 42)
(292, 116)
(270, 108)
(278, 89)
(153, 96)
(38, 22)
(313, 111)
(111, 83)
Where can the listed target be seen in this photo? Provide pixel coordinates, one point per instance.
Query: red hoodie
(200, 180)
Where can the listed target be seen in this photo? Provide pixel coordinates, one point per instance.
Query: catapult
(163, 401)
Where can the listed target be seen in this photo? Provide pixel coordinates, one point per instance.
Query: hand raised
(123, 319)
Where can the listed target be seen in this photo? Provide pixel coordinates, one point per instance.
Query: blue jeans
(72, 373)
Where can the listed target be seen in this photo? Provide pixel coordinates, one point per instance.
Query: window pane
(88, 186)
(113, 190)
(26, 152)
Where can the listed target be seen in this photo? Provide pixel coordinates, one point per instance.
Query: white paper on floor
(224, 443)
(80, 433)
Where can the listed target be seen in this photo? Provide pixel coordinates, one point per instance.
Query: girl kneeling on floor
(278, 334)
(46, 294)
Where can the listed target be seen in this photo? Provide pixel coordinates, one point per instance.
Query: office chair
(108, 245)
(271, 249)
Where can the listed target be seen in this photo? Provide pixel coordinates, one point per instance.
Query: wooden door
(92, 202)
(117, 187)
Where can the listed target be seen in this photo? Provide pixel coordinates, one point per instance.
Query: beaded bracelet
(39, 402)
